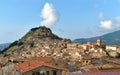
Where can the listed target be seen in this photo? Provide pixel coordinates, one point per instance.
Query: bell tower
(99, 42)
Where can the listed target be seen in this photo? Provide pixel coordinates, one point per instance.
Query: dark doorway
(47, 72)
(54, 72)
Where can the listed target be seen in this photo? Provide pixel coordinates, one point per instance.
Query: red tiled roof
(93, 70)
(35, 63)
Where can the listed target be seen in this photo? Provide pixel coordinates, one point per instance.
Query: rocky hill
(41, 42)
(110, 38)
(38, 41)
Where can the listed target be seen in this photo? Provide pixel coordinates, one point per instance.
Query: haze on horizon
(67, 18)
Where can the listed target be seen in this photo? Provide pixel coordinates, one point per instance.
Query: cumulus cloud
(49, 15)
(107, 24)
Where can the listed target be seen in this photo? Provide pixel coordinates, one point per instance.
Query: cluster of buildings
(34, 66)
(62, 58)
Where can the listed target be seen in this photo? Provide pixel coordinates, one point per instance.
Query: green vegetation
(20, 43)
(10, 50)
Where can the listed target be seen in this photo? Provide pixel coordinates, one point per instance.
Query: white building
(109, 47)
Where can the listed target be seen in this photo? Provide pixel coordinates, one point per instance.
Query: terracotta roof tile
(94, 70)
(34, 63)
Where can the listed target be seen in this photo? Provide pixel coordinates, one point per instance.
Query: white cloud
(49, 15)
(109, 24)
(106, 24)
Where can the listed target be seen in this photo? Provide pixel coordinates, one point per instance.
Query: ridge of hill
(112, 38)
(3, 46)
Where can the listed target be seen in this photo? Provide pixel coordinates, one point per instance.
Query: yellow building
(86, 60)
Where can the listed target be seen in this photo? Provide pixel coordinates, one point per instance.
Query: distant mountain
(3, 46)
(110, 38)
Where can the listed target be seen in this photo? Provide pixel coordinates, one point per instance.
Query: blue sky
(77, 18)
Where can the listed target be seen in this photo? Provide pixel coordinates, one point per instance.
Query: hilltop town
(40, 52)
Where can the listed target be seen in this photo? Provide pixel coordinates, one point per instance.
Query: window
(36, 73)
(86, 61)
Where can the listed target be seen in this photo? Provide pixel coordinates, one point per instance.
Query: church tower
(99, 42)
